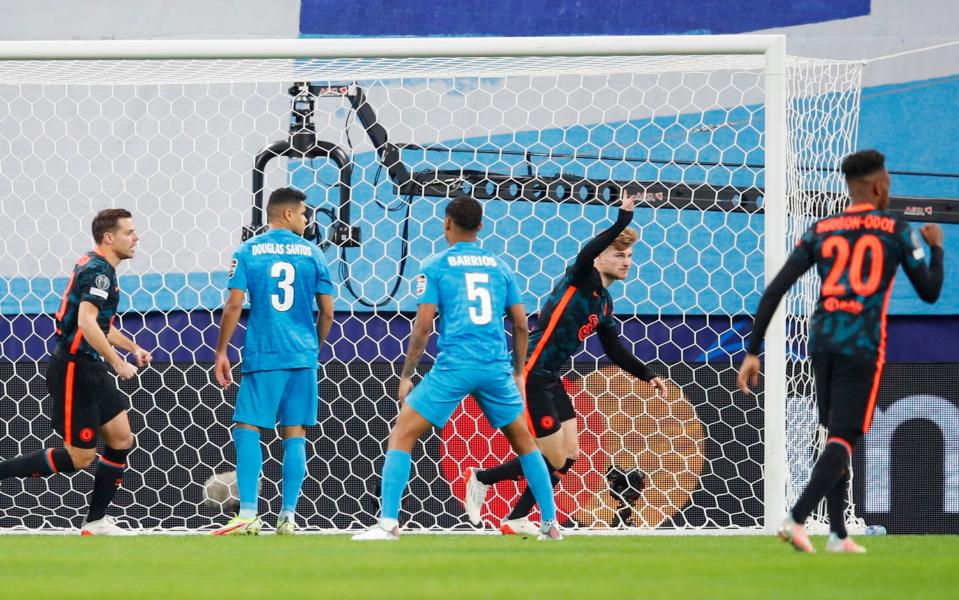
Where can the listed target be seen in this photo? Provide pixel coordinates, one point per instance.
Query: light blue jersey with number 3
(281, 274)
(472, 290)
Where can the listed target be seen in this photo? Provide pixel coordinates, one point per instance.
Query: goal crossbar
(394, 48)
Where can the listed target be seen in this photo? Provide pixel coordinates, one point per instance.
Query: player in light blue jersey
(471, 290)
(284, 275)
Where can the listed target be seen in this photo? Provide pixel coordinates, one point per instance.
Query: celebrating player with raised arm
(471, 290)
(284, 274)
(579, 304)
(86, 401)
(857, 254)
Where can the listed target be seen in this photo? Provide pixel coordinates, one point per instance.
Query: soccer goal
(733, 145)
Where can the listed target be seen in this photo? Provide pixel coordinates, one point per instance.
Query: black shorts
(846, 391)
(548, 405)
(85, 396)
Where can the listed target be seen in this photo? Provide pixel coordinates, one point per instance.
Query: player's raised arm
(422, 329)
(926, 279)
(595, 247)
(228, 322)
(624, 359)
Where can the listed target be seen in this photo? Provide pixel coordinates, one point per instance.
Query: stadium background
(908, 110)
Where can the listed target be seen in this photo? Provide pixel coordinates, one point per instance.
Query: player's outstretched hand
(406, 386)
(932, 233)
(125, 370)
(142, 357)
(222, 371)
(749, 373)
(629, 202)
(660, 384)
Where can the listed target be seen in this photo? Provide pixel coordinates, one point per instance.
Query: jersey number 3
(285, 272)
(838, 246)
(476, 290)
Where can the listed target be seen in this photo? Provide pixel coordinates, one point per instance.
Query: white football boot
(381, 532)
(521, 526)
(105, 526)
(475, 496)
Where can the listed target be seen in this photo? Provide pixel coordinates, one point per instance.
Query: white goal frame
(773, 47)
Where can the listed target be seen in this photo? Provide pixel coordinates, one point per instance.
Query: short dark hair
(281, 198)
(106, 222)
(862, 164)
(466, 212)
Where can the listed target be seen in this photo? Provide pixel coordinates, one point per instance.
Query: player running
(284, 275)
(86, 401)
(856, 254)
(579, 305)
(471, 289)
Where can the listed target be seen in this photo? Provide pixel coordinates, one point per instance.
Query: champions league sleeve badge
(101, 285)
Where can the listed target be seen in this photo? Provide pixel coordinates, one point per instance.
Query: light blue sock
(537, 477)
(396, 474)
(294, 470)
(249, 463)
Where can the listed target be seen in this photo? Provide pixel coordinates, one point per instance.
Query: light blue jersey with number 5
(472, 290)
(281, 274)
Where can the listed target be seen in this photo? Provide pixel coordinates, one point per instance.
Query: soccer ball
(220, 491)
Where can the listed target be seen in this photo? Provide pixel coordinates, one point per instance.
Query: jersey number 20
(285, 272)
(475, 290)
(838, 246)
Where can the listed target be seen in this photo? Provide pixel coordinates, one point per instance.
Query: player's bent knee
(120, 440)
(401, 439)
(123, 442)
(555, 458)
(81, 457)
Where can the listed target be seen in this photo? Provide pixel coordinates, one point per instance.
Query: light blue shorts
(284, 395)
(441, 391)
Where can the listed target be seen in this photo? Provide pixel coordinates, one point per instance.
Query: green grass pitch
(427, 566)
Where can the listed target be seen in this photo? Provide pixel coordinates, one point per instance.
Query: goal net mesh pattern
(549, 144)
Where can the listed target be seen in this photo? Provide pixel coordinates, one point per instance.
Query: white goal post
(735, 148)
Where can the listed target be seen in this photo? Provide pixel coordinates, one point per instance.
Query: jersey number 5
(476, 291)
(285, 272)
(838, 246)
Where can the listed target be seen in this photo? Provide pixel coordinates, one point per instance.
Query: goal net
(546, 135)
